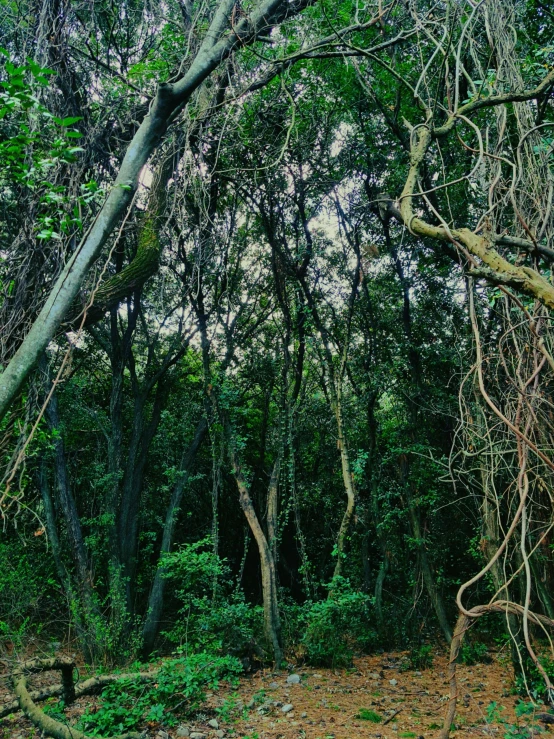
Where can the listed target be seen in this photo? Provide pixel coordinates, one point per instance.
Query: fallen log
(67, 689)
(85, 687)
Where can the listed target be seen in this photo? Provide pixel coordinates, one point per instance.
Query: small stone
(293, 679)
(183, 731)
(316, 674)
(273, 686)
(162, 734)
(304, 715)
(220, 734)
(212, 723)
(287, 708)
(418, 673)
(374, 675)
(393, 682)
(196, 735)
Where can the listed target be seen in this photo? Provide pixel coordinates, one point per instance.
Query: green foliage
(34, 146)
(179, 690)
(366, 714)
(520, 730)
(213, 616)
(474, 653)
(26, 585)
(529, 681)
(339, 626)
(420, 657)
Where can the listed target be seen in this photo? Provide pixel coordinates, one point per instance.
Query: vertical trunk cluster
(272, 620)
(414, 363)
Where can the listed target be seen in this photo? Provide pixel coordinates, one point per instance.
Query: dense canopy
(276, 354)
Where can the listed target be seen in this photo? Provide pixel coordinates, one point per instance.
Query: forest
(276, 368)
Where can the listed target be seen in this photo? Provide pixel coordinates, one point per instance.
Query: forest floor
(327, 704)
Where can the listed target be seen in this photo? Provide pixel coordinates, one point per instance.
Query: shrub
(27, 587)
(179, 690)
(338, 626)
(474, 653)
(420, 657)
(213, 616)
(366, 714)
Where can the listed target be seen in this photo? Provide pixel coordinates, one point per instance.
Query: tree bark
(348, 481)
(169, 99)
(155, 601)
(272, 621)
(273, 507)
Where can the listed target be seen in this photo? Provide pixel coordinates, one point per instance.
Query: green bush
(474, 653)
(420, 657)
(27, 586)
(179, 690)
(338, 627)
(213, 616)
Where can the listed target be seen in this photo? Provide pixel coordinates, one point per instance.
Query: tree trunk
(51, 528)
(273, 507)
(67, 504)
(155, 601)
(383, 569)
(272, 621)
(427, 571)
(348, 481)
(170, 98)
(128, 518)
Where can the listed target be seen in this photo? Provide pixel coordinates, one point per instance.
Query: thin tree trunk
(273, 507)
(128, 518)
(414, 361)
(155, 601)
(379, 583)
(272, 621)
(86, 613)
(348, 481)
(51, 528)
(87, 641)
(426, 570)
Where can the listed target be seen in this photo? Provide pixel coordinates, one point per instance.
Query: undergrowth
(179, 690)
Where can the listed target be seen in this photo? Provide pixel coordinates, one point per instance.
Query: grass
(366, 714)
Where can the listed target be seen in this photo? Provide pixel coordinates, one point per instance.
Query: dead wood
(67, 689)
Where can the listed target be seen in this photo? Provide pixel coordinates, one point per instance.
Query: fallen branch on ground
(67, 689)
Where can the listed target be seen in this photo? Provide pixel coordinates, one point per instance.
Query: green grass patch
(366, 714)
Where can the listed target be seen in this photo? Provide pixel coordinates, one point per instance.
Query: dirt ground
(326, 704)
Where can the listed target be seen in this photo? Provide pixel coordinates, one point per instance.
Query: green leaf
(70, 121)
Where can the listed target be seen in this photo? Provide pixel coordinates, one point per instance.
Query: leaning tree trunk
(155, 601)
(273, 507)
(223, 36)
